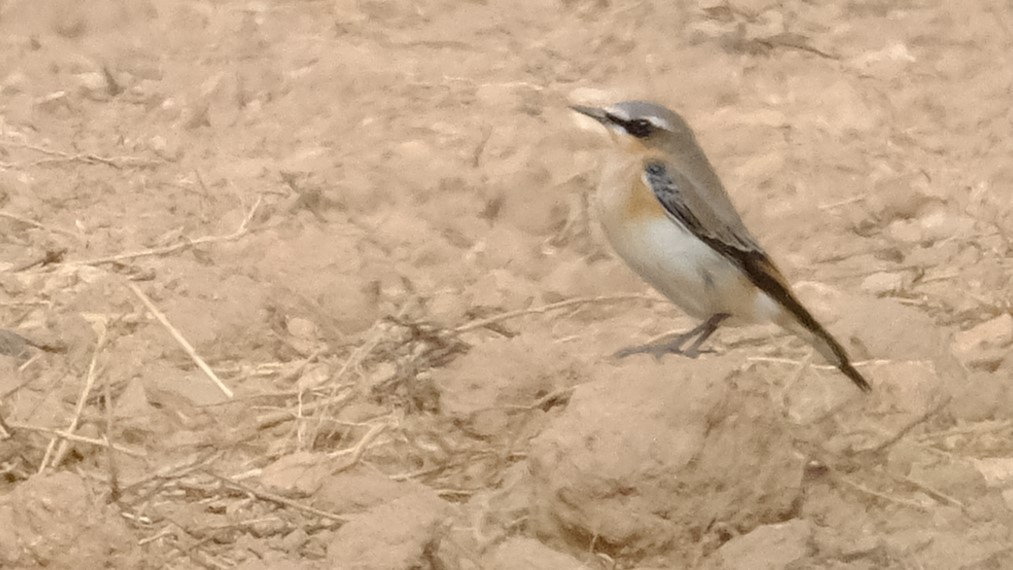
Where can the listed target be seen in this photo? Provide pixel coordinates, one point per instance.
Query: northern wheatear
(668, 216)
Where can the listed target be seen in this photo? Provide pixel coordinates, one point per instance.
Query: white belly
(670, 258)
(687, 271)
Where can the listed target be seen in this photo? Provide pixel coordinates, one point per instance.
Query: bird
(666, 213)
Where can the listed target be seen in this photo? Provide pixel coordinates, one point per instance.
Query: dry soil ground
(369, 219)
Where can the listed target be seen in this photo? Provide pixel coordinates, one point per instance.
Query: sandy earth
(369, 218)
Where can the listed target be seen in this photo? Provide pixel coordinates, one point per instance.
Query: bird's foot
(674, 344)
(695, 352)
(659, 349)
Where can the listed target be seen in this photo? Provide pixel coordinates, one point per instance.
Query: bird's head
(640, 122)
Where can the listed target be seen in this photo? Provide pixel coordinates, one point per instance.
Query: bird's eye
(639, 128)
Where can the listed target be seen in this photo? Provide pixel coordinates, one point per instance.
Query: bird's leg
(673, 345)
(706, 329)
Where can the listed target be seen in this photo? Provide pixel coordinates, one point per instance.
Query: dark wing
(687, 205)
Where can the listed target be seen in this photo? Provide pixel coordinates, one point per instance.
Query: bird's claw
(659, 350)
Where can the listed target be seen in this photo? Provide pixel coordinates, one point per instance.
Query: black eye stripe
(639, 128)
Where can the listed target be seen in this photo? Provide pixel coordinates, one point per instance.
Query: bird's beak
(593, 112)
